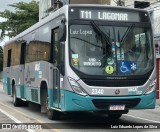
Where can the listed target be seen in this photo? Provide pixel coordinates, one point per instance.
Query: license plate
(117, 107)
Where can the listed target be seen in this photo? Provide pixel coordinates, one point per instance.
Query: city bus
(94, 58)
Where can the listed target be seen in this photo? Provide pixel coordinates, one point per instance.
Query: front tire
(53, 114)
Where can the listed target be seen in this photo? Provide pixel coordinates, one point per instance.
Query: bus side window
(9, 58)
(43, 51)
(55, 49)
(22, 57)
(27, 54)
(31, 52)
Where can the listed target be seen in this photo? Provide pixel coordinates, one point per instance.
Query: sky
(4, 5)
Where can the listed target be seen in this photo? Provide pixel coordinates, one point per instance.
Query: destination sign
(103, 15)
(109, 14)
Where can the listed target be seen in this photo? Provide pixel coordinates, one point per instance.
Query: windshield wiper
(129, 30)
(100, 32)
(105, 37)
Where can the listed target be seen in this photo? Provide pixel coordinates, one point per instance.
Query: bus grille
(34, 95)
(105, 103)
(114, 83)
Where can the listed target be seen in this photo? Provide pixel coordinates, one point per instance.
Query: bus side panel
(6, 81)
(32, 94)
(20, 81)
(32, 86)
(16, 75)
(35, 73)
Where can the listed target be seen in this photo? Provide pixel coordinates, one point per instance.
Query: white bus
(84, 58)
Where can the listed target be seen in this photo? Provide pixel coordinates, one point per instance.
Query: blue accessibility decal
(126, 67)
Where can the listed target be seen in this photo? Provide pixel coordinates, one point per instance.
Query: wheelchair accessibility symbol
(124, 67)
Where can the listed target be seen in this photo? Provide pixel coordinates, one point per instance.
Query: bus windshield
(111, 50)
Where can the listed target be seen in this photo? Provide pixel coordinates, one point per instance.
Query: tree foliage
(24, 16)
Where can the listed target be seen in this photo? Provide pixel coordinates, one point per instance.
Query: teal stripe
(53, 98)
(8, 86)
(28, 96)
(75, 102)
(50, 98)
(20, 91)
(70, 101)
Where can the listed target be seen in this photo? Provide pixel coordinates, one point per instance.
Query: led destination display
(108, 15)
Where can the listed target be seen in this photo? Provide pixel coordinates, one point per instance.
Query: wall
(46, 4)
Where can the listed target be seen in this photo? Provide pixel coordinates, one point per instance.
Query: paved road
(31, 114)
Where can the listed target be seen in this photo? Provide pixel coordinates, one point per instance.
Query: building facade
(45, 5)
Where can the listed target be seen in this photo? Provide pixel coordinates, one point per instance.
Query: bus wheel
(16, 101)
(53, 114)
(44, 97)
(114, 116)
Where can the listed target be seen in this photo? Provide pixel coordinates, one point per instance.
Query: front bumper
(75, 102)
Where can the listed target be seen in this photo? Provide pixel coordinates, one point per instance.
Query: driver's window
(55, 48)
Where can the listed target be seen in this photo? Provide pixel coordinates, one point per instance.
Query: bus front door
(56, 69)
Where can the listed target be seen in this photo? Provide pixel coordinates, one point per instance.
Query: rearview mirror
(62, 33)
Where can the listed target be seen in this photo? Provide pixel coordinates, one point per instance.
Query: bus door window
(56, 65)
(55, 50)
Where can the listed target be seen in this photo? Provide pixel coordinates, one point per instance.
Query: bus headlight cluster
(76, 87)
(151, 87)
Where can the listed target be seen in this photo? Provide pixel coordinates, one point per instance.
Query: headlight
(76, 87)
(151, 87)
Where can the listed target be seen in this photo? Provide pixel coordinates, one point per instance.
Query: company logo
(117, 92)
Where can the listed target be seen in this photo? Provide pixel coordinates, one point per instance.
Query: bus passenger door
(56, 68)
(22, 68)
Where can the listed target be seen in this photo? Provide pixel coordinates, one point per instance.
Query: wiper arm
(130, 28)
(99, 31)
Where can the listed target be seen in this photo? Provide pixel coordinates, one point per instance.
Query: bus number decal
(86, 14)
(97, 91)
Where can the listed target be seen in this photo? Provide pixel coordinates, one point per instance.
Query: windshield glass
(111, 50)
